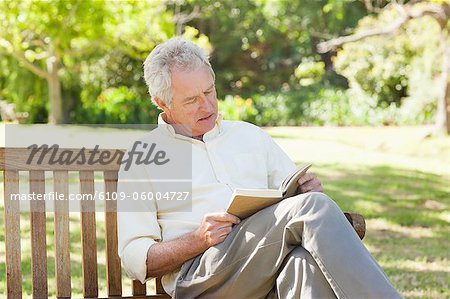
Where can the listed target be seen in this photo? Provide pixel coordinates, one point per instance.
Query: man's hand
(167, 256)
(309, 183)
(214, 228)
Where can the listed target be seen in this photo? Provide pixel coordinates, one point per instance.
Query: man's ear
(161, 104)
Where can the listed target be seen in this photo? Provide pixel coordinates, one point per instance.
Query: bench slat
(38, 236)
(139, 289)
(12, 235)
(88, 236)
(159, 287)
(113, 267)
(62, 241)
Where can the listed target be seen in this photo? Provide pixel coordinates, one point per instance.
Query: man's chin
(203, 129)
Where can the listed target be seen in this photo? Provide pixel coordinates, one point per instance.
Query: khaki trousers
(301, 247)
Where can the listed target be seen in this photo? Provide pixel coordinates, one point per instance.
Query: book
(246, 202)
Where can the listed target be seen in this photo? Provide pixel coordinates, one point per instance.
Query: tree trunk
(446, 94)
(56, 115)
(443, 106)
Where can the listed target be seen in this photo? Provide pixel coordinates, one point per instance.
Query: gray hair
(176, 53)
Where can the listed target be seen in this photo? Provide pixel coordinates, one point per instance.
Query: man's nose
(205, 102)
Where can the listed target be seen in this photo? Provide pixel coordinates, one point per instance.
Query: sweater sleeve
(279, 165)
(137, 222)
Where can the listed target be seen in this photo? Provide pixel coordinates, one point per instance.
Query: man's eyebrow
(193, 97)
(189, 98)
(210, 87)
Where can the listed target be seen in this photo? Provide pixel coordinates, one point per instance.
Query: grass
(399, 179)
(407, 222)
(396, 177)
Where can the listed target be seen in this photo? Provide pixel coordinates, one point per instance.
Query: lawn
(398, 178)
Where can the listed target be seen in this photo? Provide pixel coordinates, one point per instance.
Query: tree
(440, 12)
(42, 36)
(258, 44)
(53, 38)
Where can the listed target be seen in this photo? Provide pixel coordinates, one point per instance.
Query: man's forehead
(191, 83)
(184, 75)
(194, 92)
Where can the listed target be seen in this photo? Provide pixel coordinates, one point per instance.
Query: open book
(246, 202)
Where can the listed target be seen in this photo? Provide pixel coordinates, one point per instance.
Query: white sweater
(232, 155)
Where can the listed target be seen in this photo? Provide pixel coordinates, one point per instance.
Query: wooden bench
(13, 161)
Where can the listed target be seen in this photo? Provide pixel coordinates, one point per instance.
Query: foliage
(76, 34)
(274, 108)
(309, 71)
(391, 69)
(19, 86)
(119, 105)
(47, 37)
(319, 105)
(237, 108)
(257, 45)
(262, 51)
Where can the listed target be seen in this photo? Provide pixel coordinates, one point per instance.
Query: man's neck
(179, 129)
(198, 137)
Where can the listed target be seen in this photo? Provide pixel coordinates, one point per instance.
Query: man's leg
(301, 276)
(247, 263)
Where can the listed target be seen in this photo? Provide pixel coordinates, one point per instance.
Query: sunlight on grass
(406, 231)
(405, 147)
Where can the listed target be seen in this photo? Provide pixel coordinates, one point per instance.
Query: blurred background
(80, 61)
(361, 88)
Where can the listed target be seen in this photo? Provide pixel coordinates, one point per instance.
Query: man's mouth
(206, 118)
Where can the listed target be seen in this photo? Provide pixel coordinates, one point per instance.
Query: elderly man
(301, 247)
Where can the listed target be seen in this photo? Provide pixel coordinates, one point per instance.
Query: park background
(368, 110)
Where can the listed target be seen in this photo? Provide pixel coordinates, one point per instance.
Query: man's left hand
(309, 183)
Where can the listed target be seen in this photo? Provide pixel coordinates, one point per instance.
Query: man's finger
(310, 184)
(225, 229)
(307, 177)
(223, 225)
(225, 217)
(314, 186)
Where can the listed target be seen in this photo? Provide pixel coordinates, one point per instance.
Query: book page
(258, 192)
(289, 185)
(246, 202)
(243, 206)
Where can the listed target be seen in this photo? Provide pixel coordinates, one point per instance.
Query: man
(302, 246)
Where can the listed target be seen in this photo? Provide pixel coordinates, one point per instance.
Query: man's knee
(318, 201)
(300, 253)
(305, 204)
(321, 198)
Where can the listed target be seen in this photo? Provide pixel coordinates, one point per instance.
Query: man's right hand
(214, 228)
(167, 256)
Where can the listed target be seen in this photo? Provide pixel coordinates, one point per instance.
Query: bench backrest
(14, 161)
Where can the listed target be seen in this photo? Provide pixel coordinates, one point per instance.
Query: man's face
(194, 102)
